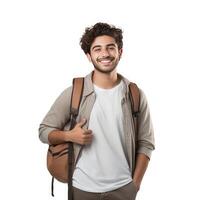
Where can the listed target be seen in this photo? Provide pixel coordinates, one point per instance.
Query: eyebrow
(108, 45)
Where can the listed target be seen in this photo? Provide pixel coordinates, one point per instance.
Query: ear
(89, 57)
(120, 52)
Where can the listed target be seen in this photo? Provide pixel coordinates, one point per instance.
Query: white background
(39, 56)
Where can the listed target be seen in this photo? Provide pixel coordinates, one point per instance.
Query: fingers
(88, 139)
(86, 132)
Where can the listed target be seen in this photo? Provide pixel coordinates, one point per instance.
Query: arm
(51, 129)
(57, 117)
(141, 165)
(145, 141)
(58, 137)
(77, 134)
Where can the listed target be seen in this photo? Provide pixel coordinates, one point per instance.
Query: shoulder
(64, 96)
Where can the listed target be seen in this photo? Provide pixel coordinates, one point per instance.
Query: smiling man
(110, 166)
(104, 54)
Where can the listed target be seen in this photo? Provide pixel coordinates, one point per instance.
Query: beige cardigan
(58, 118)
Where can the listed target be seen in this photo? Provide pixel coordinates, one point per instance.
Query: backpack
(60, 158)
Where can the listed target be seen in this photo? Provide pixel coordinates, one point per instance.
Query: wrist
(67, 137)
(136, 184)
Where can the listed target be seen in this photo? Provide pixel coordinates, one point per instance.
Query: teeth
(105, 61)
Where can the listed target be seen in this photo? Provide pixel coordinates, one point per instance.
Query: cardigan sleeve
(57, 117)
(145, 138)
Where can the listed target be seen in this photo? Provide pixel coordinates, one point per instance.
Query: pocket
(134, 188)
(126, 192)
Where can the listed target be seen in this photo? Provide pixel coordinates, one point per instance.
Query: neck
(105, 80)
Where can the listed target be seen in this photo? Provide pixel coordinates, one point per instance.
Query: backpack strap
(135, 105)
(77, 91)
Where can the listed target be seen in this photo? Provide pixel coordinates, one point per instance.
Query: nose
(104, 53)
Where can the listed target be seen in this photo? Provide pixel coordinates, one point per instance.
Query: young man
(108, 164)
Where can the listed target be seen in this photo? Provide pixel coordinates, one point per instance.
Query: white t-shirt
(102, 165)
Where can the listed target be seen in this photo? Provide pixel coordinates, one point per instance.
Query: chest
(107, 106)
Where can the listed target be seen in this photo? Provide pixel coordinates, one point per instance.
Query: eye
(111, 48)
(97, 49)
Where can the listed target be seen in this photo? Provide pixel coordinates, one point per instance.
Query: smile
(105, 61)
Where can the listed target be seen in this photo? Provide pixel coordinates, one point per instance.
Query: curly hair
(100, 29)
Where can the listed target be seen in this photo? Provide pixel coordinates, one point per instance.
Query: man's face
(104, 54)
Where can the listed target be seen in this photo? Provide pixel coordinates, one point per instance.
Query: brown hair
(100, 29)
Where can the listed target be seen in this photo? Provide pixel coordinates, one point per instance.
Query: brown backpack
(60, 158)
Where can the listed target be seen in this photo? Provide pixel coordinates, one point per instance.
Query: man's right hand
(80, 135)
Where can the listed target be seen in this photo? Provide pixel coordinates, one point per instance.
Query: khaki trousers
(127, 192)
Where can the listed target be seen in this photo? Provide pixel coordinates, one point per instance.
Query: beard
(105, 70)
